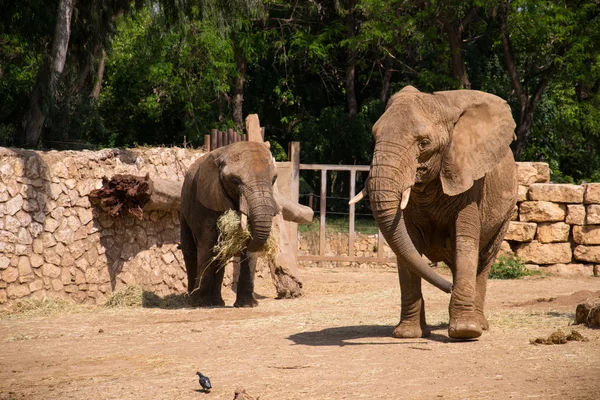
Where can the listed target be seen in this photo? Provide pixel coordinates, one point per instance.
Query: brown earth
(334, 343)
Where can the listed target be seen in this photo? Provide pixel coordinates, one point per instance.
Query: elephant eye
(423, 144)
(235, 181)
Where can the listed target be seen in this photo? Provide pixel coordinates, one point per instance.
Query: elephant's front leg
(245, 286)
(209, 276)
(412, 309)
(464, 321)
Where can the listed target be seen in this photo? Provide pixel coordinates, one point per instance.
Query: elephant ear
(209, 190)
(483, 131)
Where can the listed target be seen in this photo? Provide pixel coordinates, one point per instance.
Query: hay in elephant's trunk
(233, 238)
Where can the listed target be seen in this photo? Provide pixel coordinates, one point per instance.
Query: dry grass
(44, 307)
(233, 238)
(132, 296)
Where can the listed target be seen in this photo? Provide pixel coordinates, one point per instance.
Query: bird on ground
(204, 381)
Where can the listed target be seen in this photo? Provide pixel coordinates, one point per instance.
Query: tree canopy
(94, 74)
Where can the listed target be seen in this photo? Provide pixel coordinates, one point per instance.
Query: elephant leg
(217, 299)
(480, 289)
(202, 294)
(188, 248)
(412, 308)
(464, 323)
(245, 286)
(486, 260)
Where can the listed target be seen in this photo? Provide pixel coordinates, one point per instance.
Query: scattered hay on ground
(559, 337)
(43, 307)
(132, 296)
(233, 238)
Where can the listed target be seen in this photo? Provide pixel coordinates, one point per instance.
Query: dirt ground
(334, 343)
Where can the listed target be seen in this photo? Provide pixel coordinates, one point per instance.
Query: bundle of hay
(233, 238)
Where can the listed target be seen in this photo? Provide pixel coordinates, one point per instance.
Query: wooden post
(294, 157)
(351, 233)
(207, 142)
(223, 138)
(262, 133)
(323, 212)
(230, 137)
(244, 137)
(214, 139)
(310, 200)
(253, 129)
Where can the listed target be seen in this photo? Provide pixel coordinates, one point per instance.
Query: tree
(49, 75)
(541, 40)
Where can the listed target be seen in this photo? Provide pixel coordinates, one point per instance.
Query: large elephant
(443, 183)
(239, 176)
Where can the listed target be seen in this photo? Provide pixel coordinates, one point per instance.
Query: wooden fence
(218, 138)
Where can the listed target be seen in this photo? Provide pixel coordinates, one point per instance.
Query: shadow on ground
(346, 336)
(170, 302)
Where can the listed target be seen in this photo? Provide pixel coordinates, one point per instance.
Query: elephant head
(455, 137)
(240, 176)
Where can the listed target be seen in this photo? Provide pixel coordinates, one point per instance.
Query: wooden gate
(324, 168)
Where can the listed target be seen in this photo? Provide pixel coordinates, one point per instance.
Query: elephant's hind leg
(188, 248)
(412, 309)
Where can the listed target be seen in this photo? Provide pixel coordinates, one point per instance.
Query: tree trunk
(284, 267)
(351, 29)
(387, 79)
(99, 75)
(238, 85)
(48, 77)
(350, 89)
(457, 55)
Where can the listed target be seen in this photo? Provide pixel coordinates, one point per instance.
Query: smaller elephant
(239, 176)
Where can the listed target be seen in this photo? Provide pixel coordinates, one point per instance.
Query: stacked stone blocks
(53, 243)
(556, 226)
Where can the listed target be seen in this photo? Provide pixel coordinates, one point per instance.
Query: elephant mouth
(420, 175)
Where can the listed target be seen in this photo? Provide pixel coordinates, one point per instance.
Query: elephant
(239, 176)
(442, 183)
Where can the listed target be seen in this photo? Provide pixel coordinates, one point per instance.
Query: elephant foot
(464, 329)
(245, 303)
(206, 301)
(408, 330)
(483, 322)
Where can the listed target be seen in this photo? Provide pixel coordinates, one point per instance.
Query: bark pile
(588, 313)
(128, 194)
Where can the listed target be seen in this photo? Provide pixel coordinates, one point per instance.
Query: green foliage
(511, 267)
(164, 82)
(171, 67)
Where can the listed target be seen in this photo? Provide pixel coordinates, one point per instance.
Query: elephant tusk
(405, 197)
(244, 221)
(358, 197)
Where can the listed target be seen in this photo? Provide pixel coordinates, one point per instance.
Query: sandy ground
(334, 343)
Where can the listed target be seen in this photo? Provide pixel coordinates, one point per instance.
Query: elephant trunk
(261, 210)
(385, 187)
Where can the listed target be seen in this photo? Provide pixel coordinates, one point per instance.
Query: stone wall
(54, 243)
(365, 245)
(555, 226)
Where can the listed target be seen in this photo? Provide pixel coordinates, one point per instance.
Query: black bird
(204, 381)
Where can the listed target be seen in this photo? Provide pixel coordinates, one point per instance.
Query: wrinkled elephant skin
(239, 176)
(443, 183)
